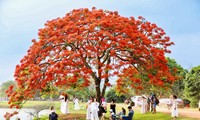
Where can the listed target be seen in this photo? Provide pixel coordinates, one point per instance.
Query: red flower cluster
(7, 116)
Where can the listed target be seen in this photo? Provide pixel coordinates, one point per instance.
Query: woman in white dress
(88, 107)
(94, 109)
(64, 103)
(174, 107)
(144, 105)
(76, 105)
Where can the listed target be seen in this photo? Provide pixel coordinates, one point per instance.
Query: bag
(157, 101)
(53, 116)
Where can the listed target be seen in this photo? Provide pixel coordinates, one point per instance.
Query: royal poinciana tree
(92, 46)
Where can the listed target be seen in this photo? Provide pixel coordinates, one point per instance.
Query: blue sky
(21, 19)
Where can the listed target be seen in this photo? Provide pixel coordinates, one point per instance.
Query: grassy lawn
(81, 113)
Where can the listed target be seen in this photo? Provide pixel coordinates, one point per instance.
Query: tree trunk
(98, 90)
(97, 81)
(106, 80)
(104, 87)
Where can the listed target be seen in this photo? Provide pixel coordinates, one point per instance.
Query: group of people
(64, 108)
(92, 109)
(149, 104)
(122, 115)
(97, 110)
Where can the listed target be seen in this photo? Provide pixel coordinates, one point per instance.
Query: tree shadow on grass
(74, 116)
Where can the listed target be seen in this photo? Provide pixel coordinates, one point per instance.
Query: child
(53, 115)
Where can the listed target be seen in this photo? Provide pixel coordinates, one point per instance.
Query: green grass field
(137, 115)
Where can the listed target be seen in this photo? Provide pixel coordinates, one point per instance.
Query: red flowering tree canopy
(93, 45)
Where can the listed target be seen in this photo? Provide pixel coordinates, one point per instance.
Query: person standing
(64, 108)
(76, 105)
(104, 104)
(154, 103)
(144, 105)
(148, 103)
(169, 103)
(174, 107)
(94, 109)
(88, 107)
(102, 111)
(113, 106)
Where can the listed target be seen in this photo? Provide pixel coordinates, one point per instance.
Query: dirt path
(193, 113)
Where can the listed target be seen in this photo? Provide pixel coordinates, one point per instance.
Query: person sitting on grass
(53, 115)
(130, 114)
(121, 114)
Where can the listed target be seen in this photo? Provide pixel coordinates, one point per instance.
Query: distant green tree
(177, 70)
(84, 93)
(5, 86)
(52, 92)
(112, 94)
(192, 86)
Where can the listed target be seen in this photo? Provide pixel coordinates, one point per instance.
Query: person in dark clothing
(101, 112)
(152, 102)
(155, 103)
(113, 106)
(130, 114)
(53, 115)
(148, 103)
